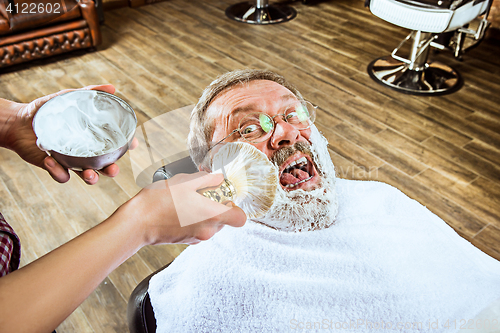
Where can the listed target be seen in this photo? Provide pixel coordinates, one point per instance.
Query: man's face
(296, 167)
(307, 197)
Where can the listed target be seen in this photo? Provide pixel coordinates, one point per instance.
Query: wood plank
(463, 158)
(487, 241)
(487, 210)
(476, 99)
(346, 169)
(452, 213)
(486, 119)
(128, 275)
(353, 87)
(372, 144)
(83, 213)
(390, 119)
(485, 151)
(304, 80)
(32, 247)
(350, 151)
(335, 107)
(471, 129)
(37, 206)
(106, 309)
(434, 160)
(427, 123)
(76, 322)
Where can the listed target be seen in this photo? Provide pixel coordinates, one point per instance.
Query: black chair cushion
(184, 165)
(140, 314)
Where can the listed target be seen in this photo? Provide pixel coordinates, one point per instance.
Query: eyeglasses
(258, 126)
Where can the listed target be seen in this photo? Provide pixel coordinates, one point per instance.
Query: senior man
(331, 254)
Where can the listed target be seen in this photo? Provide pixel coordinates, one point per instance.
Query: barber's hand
(165, 210)
(21, 138)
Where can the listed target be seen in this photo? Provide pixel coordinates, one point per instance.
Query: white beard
(300, 210)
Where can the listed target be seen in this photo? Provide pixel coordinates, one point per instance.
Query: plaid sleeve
(10, 248)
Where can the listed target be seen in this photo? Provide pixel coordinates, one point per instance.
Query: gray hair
(202, 127)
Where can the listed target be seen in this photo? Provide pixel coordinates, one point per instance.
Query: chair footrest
(435, 79)
(249, 12)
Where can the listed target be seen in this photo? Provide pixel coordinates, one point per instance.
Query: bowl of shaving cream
(85, 129)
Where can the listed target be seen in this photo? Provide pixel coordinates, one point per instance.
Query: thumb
(234, 217)
(109, 88)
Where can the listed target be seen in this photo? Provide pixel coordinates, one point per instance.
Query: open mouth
(297, 172)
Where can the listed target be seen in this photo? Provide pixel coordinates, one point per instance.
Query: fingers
(196, 180)
(133, 144)
(204, 209)
(209, 179)
(57, 171)
(109, 88)
(216, 213)
(111, 170)
(89, 176)
(234, 217)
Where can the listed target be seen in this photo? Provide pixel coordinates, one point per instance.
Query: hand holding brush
(250, 179)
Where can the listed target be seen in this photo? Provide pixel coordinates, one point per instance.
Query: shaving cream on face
(299, 210)
(83, 123)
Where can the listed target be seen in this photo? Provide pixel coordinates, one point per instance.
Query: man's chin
(316, 206)
(313, 208)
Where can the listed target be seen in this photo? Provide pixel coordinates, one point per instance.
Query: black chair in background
(260, 12)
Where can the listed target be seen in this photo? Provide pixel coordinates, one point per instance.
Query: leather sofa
(34, 29)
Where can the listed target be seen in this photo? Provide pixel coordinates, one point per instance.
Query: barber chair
(140, 313)
(184, 165)
(443, 24)
(260, 12)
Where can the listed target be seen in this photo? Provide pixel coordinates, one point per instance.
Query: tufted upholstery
(28, 36)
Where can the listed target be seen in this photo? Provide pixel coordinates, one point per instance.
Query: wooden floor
(442, 151)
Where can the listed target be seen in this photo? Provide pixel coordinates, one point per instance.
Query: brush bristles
(253, 176)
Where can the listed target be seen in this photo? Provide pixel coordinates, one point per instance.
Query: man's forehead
(251, 96)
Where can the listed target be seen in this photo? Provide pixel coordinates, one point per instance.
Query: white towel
(387, 264)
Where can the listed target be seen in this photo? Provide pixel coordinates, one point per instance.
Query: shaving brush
(250, 179)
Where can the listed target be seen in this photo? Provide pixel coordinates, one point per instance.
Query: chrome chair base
(435, 79)
(250, 12)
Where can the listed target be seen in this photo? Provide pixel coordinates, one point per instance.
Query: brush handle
(222, 194)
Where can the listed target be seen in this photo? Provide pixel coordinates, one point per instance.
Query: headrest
(184, 165)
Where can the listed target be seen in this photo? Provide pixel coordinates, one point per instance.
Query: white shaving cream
(251, 173)
(300, 210)
(83, 123)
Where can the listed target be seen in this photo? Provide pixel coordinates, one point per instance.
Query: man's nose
(284, 134)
